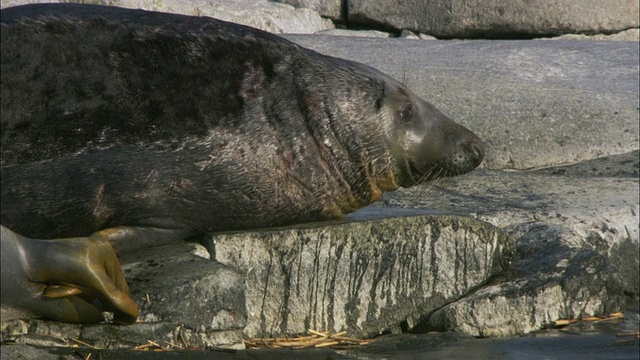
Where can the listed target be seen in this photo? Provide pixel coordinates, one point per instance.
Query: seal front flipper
(126, 239)
(37, 274)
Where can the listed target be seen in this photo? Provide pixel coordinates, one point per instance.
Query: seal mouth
(420, 175)
(416, 175)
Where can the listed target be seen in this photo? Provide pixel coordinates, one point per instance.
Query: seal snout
(467, 155)
(474, 151)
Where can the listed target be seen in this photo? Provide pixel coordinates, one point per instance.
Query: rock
(357, 33)
(39, 333)
(626, 35)
(210, 295)
(105, 336)
(426, 37)
(177, 336)
(597, 199)
(597, 340)
(408, 34)
(364, 277)
(10, 3)
(496, 19)
(551, 277)
(331, 9)
(25, 352)
(262, 14)
(32, 352)
(572, 99)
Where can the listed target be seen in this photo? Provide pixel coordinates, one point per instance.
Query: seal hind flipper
(60, 279)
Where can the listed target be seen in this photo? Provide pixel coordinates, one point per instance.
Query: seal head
(426, 144)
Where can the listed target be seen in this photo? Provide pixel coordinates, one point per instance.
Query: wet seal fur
(142, 127)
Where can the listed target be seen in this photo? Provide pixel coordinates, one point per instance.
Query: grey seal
(141, 128)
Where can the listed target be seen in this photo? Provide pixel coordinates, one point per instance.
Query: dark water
(550, 345)
(583, 341)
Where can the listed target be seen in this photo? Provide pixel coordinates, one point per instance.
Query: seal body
(136, 128)
(175, 126)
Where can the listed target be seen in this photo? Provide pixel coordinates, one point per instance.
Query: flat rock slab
(581, 197)
(497, 18)
(534, 103)
(363, 277)
(332, 9)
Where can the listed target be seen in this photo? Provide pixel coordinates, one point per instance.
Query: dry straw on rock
(317, 339)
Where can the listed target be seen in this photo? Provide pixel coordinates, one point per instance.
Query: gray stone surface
(427, 37)
(537, 104)
(356, 33)
(564, 19)
(572, 99)
(551, 277)
(497, 18)
(597, 199)
(105, 336)
(172, 284)
(408, 34)
(332, 9)
(625, 35)
(364, 277)
(592, 341)
(262, 14)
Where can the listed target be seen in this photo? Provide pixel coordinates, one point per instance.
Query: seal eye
(406, 114)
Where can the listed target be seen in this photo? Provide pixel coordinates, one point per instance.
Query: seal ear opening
(378, 104)
(380, 93)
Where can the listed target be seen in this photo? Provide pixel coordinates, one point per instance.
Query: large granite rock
(612, 20)
(365, 277)
(178, 283)
(261, 14)
(551, 277)
(332, 9)
(497, 18)
(625, 35)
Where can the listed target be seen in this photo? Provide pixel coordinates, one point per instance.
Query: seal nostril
(478, 151)
(475, 152)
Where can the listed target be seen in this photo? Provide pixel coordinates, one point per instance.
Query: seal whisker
(443, 184)
(405, 82)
